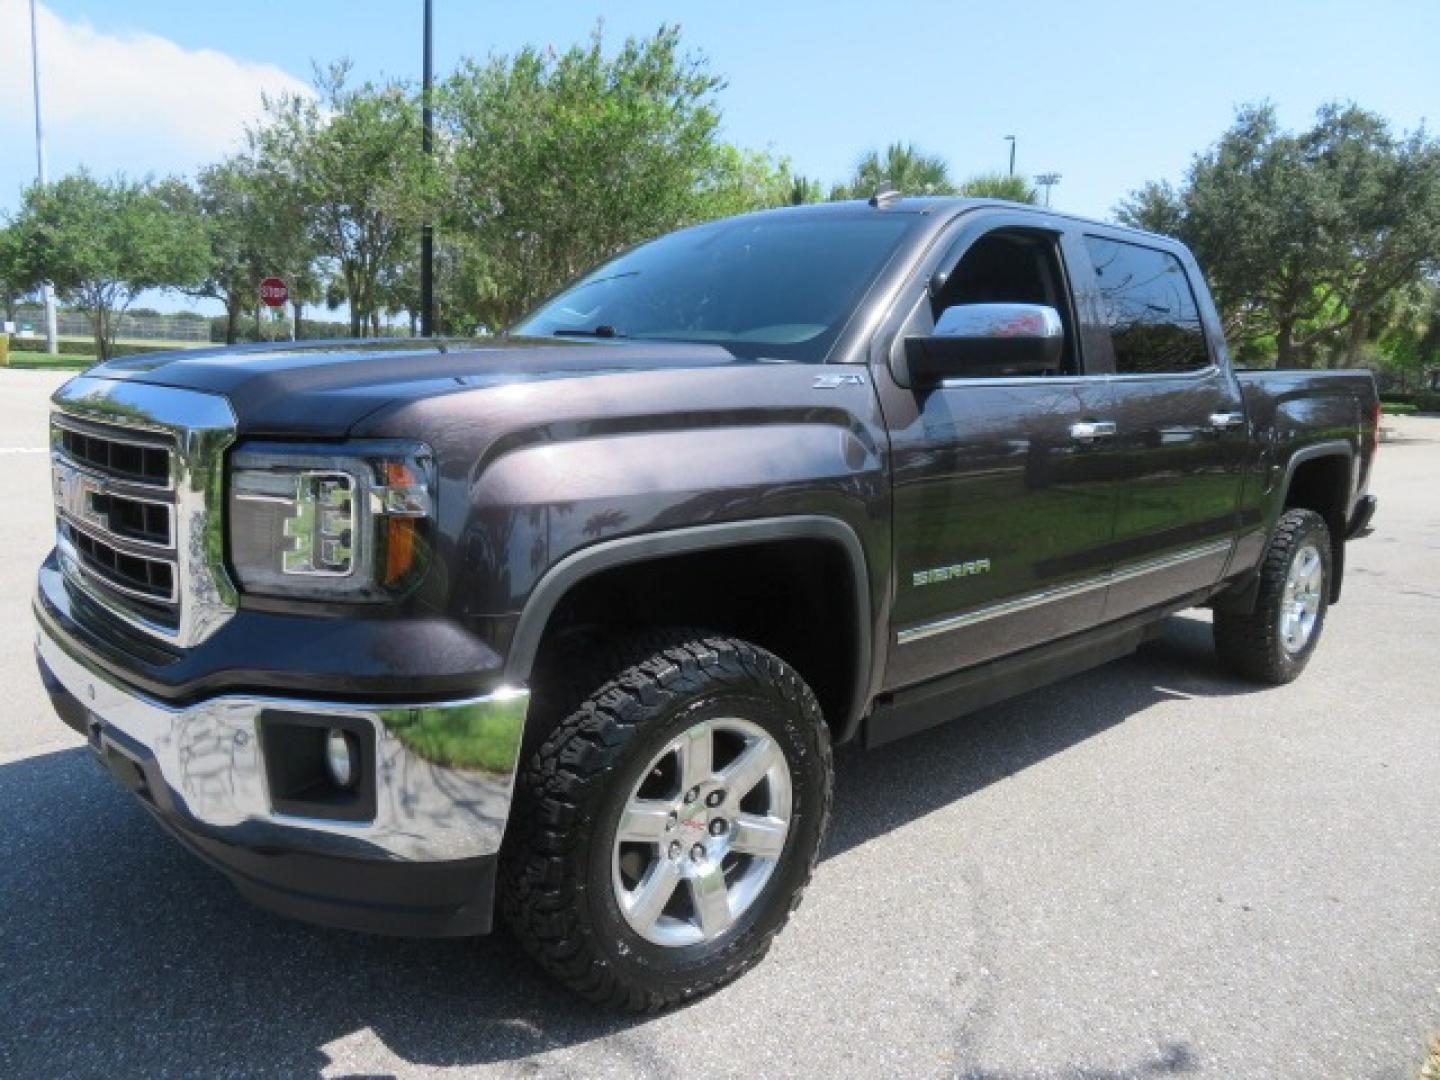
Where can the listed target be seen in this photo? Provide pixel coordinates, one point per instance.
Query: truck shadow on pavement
(123, 954)
(881, 790)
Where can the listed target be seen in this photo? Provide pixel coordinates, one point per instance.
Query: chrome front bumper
(444, 771)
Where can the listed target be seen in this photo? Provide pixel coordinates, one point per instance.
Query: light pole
(52, 344)
(427, 230)
(1011, 140)
(1047, 180)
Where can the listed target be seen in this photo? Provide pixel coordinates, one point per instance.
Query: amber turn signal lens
(398, 474)
(399, 549)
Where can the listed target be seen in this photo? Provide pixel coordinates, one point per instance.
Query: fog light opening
(342, 758)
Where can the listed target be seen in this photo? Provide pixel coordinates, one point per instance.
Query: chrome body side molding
(1063, 592)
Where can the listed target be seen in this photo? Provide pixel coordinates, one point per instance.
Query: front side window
(765, 287)
(1012, 266)
(1150, 309)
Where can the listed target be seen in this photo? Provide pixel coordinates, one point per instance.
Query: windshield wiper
(602, 331)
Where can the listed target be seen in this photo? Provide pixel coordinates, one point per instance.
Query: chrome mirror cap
(1033, 321)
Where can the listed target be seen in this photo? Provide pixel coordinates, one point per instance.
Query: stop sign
(274, 292)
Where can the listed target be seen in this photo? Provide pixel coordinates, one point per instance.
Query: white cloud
(127, 102)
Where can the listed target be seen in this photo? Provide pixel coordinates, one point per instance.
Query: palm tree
(903, 168)
(1000, 186)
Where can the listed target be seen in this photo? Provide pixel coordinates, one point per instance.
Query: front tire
(665, 829)
(1274, 642)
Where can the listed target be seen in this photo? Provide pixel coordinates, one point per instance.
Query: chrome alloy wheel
(702, 832)
(1300, 602)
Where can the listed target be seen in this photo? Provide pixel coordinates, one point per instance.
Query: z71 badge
(948, 573)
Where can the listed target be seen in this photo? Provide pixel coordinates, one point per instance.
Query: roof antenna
(884, 195)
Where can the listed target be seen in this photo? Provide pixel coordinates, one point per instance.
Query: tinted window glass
(1148, 302)
(778, 286)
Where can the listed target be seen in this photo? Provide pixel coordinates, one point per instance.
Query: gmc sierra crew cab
(563, 624)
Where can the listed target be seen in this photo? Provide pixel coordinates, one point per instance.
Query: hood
(323, 389)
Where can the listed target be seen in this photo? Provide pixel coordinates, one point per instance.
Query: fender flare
(1241, 599)
(627, 550)
(1328, 448)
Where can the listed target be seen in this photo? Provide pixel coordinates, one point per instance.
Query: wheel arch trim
(560, 579)
(1241, 594)
(1328, 448)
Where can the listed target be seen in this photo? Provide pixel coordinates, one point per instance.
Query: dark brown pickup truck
(565, 623)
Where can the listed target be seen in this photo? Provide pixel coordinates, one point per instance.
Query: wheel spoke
(644, 821)
(649, 899)
(697, 756)
(750, 767)
(760, 836)
(712, 900)
(724, 856)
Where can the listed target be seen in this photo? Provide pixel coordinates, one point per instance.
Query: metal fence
(133, 327)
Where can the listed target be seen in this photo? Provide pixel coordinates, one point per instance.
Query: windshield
(767, 286)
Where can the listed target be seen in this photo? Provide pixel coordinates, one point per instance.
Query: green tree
(560, 160)
(399, 288)
(1000, 186)
(102, 243)
(10, 273)
(282, 238)
(739, 181)
(228, 202)
(804, 189)
(1304, 236)
(348, 166)
(1409, 342)
(900, 167)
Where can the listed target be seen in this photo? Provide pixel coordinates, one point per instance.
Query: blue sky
(1110, 94)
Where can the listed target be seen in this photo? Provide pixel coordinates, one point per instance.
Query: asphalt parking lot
(1151, 869)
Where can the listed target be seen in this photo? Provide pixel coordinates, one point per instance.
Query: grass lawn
(160, 343)
(79, 361)
(45, 362)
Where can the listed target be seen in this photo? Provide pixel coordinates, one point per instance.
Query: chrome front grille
(137, 473)
(115, 512)
(120, 454)
(138, 576)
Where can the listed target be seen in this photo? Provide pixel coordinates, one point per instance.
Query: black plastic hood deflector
(323, 389)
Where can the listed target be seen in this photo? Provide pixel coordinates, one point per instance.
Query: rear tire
(1274, 642)
(632, 871)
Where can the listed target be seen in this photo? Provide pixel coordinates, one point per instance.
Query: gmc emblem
(75, 494)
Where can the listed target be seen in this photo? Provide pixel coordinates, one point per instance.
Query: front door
(1003, 506)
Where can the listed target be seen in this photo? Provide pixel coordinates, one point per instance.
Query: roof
(948, 206)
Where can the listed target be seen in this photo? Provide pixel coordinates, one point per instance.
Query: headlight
(349, 524)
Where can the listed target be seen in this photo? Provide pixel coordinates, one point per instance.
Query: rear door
(1181, 440)
(1003, 516)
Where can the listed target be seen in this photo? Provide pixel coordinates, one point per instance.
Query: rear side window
(1150, 308)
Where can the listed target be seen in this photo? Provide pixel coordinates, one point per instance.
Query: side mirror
(987, 341)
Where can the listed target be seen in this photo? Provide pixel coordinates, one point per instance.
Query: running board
(916, 708)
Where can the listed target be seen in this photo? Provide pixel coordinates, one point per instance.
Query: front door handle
(1090, 430)
(1223, 421)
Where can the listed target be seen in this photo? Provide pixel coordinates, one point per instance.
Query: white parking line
(24, 450)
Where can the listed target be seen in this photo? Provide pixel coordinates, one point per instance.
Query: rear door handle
(1090, 430)
(1222, 421)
